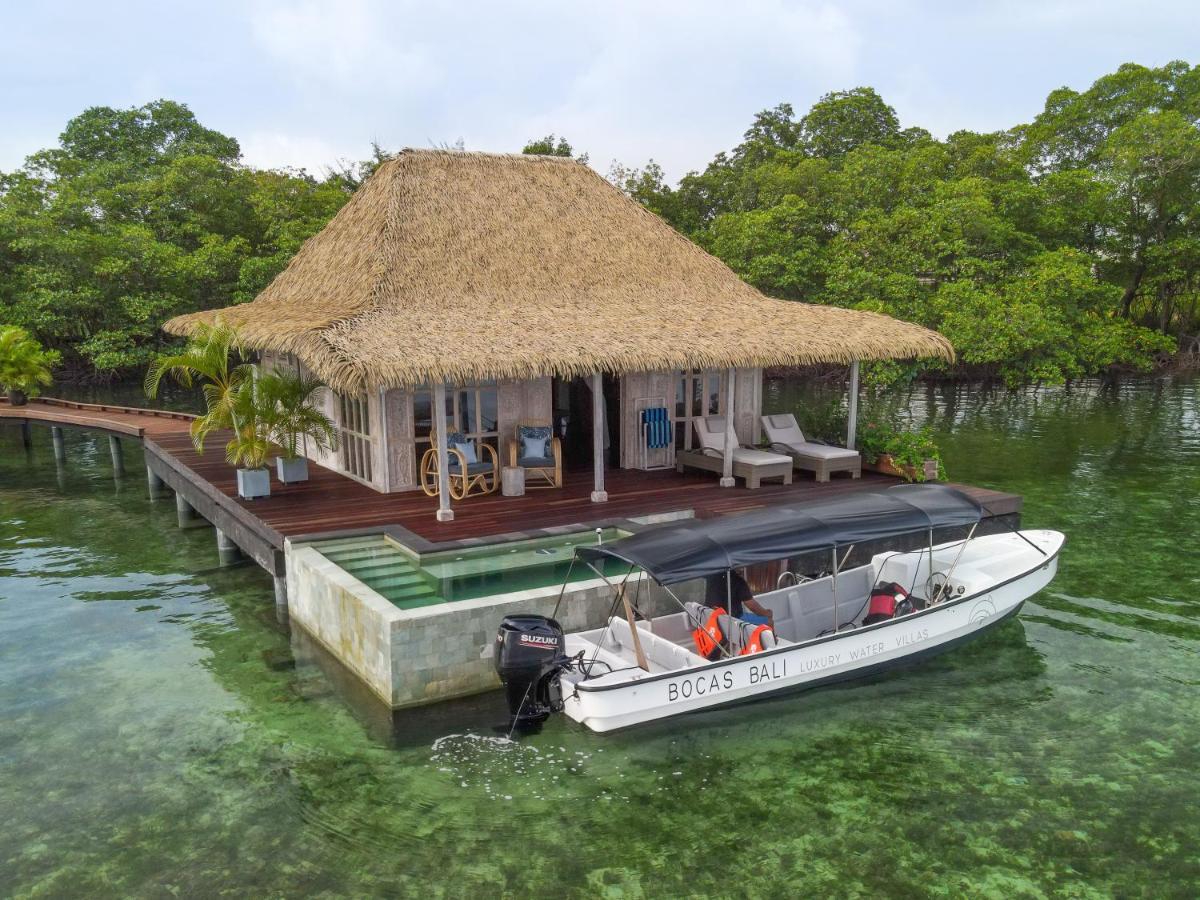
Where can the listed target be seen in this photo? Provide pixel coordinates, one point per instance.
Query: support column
(154, 484)
(185, 513)
(727, 479)
(599, 495)
(852, 412)
(227, 551)
(118, 459)
(281, 595)
(60, 447)
(27, 435)
(444, 513)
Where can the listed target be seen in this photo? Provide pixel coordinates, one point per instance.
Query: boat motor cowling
(529, 657)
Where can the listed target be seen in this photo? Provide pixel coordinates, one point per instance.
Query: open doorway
(573, 421)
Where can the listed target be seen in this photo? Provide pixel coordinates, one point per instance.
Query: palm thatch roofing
(461, 266)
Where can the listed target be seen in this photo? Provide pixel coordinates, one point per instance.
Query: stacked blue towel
(658, 427)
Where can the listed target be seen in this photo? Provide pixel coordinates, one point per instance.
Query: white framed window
(697, 394)
(354, 429)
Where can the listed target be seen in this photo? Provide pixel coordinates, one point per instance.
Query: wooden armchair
(541, 470)
(474, 466)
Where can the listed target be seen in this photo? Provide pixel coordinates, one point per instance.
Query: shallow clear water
(411, 582)
(161, 734)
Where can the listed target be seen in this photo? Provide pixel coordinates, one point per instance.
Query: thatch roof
(464, 266)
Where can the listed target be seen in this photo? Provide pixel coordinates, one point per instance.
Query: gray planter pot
(17, 397)
(254, 483)
(291, 470)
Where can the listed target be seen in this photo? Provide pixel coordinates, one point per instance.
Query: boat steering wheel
(937, 587)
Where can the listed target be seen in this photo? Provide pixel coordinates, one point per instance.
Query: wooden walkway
(119, 420)
(330, 502)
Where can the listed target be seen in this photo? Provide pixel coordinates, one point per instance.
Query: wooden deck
(330, 502)
(119, 420)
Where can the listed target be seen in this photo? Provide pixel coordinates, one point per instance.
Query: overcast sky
(306, 83)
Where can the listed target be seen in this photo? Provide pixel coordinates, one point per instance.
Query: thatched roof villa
(519, 285)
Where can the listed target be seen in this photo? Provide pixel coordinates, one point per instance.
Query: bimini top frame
(697, 549)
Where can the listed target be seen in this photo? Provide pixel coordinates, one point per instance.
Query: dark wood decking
(331, 502)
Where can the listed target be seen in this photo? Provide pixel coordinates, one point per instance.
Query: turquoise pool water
(411, 581)
(162, 736)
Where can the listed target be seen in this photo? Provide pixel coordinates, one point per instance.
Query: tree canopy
(1048, 251)
(139, 215)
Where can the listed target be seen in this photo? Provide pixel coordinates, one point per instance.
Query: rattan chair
(466, 477)
(540, 471)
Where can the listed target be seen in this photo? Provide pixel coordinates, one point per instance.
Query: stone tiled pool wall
(410, 657)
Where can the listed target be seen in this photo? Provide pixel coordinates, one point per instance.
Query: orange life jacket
(709, 638)
(754, 645)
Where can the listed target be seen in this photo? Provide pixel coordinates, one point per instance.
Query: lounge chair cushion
(536, 462)
(821, 451)
(534, 440)
(758, 457)
(467, 449)
(473, 468)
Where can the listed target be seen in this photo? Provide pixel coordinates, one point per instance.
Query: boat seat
(738, 634)
(661, 654)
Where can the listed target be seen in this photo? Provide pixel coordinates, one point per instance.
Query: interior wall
(521, 401)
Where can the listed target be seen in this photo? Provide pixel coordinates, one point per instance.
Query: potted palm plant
(288, 400)
(214, 357)
(24, 364)
(251, 445)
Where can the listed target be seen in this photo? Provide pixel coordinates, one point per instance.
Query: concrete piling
(227, 551)
(280, 591)
(27, 435)
(118, 458)
(60, 447)
(185, 514)
(154, 484)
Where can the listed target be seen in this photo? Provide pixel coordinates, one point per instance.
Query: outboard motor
(529, 658)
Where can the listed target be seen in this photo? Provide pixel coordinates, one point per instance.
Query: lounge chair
(536, 449)
(474, 466)
(751, 465)
(785, 436)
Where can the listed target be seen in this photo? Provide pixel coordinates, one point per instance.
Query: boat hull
(837, 657)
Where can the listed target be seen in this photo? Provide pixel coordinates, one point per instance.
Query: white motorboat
(844, 623)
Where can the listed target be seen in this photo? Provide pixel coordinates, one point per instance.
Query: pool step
(352, 543)
(378, 568)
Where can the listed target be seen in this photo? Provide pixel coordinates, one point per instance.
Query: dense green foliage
(24, 363)
(139, 215)
(1046, 252)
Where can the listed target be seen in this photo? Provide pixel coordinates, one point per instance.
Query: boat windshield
(682, 551)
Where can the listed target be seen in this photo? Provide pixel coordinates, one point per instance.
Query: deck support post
(599, 494)
(228, 553)
(281, 595)
(444, 513)
(154, 484)
(852, 410)
(185, 513)
(118, 458)
(727, 479)
(60, 447)
(27, 435)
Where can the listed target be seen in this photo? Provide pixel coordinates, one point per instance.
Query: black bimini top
(682, 551)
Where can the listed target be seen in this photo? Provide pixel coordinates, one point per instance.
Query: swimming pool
(410, 580)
